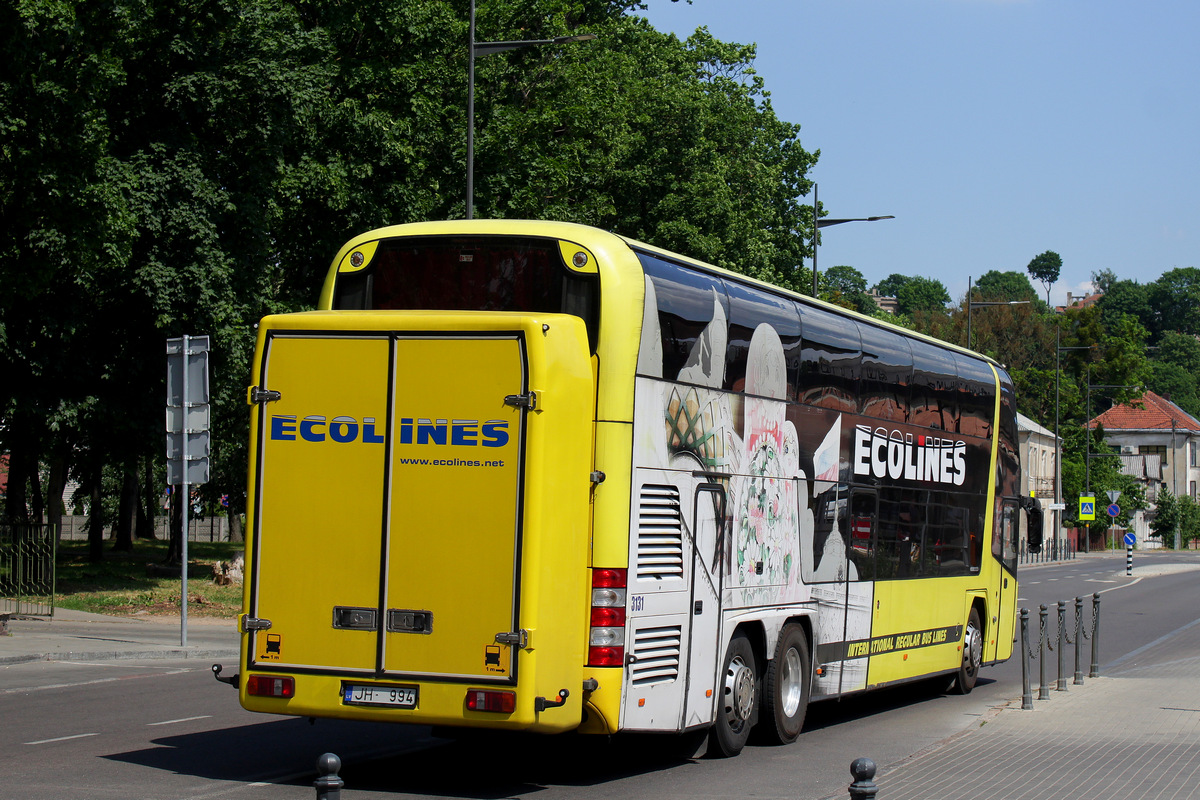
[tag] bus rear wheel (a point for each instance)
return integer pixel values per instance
(972, 656)
(736, 703)
(787, 686)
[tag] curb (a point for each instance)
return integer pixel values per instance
(176, 653)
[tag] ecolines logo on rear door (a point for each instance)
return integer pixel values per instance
(411, 430)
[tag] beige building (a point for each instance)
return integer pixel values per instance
(1037, 446)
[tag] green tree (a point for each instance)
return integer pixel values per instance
(922, 294)
(1045, 267)
(1175, 298)
(1004, 286)
(890, 286)
(847, 287)
(1103, 279)
(1128, 297)
(187, 167)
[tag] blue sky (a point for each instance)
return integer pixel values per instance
(992, 129)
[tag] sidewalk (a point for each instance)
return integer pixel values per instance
(80, 636)
(1134, 732)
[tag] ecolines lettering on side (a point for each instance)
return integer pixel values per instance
(460, 432)
(896, 455)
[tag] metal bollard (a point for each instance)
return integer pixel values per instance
(328, 784)
(1094, 672)
(863, 788)
(1026, 693)
(1078, 640)
(1129, 559)
(1061, 684)
(1043, 689)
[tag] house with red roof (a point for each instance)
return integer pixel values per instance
(1160, 447)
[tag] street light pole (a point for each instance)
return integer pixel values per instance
(1058, 350)
(819, 223)
(487, 49)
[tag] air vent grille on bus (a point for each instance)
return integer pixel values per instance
(660, 534)
(656, 655)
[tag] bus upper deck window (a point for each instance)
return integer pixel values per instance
(471, 273)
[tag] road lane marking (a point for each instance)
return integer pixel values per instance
(64, 738)
(203, 716)
(94, 682)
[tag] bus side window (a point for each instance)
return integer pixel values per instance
(863, 514)
(934, 388)
(976, 396)
(832, 360)
(887, 367)
(900, 536)
(692, 315)
(750, 308)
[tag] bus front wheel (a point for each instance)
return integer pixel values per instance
(972, 656)
(736, 704)
(787, 686)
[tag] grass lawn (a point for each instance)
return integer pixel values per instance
(122, 584)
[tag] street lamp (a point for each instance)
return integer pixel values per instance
(983, 304)
(1058, 501)
(487, 49)
(825, 223)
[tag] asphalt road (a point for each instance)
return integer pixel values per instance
(167, 730)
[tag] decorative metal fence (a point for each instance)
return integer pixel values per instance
(27, 569)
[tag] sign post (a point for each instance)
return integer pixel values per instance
(1130, 539)
(187, 436)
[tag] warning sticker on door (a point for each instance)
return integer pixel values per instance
(270, 647)
(495, 659)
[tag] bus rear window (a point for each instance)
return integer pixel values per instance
(470, 274)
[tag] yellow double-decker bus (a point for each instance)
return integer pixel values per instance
(538, 476)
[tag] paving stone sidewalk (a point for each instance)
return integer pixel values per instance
(1134, 733)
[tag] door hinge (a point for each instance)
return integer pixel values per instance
(526, 401)
(255, 395)
(250, 623)
(518, 639)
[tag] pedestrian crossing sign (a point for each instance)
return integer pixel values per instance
(1087, 507)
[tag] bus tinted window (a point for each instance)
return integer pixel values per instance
(470, 274)
(934, 387)
(832, 360)
(749, 309)
(976, 396)
(692, 314)
(887, 367)
(902, 522)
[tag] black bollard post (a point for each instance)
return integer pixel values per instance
(1078, 641)
(328, 784)
(1026, 693)
(1061, 685)
(1094, 672)
(1043, 689)
(863, 788)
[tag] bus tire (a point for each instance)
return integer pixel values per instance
(736, 704)
(787, 686)
(972, 657)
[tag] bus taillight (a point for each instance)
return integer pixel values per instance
(269, 686)
(606, 643)
(491, 700)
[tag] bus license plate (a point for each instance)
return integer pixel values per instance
(392, 696)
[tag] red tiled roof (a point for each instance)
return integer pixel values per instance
(1156, 413)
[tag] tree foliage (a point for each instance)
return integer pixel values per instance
(186, 167)
(1045, 267)
(919, 294)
